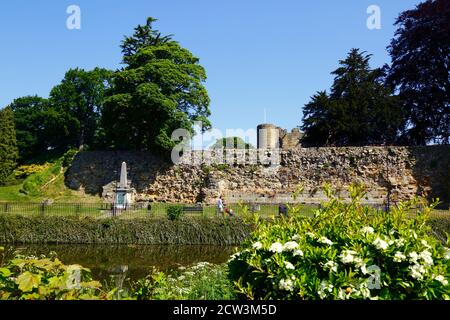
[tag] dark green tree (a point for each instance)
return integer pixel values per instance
(360, 109)
(80, 97)
(8, 145)
(231, 143)
(39, 127)
(29, 115)
(144, 36)
(317, 115)
(420, 53)
(160, 90)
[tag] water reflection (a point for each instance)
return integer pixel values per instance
(134, 261)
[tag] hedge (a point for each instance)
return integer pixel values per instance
(193, 231)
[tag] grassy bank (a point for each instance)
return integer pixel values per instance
(195, 231)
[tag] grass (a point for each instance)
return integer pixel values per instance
(48, 184)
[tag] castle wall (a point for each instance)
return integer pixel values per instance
(401, 172)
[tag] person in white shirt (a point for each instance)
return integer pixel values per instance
(220, 206)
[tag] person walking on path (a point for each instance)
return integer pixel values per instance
(219, 206)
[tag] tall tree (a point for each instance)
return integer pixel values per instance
(317, 115)
(160, 90)
(144, 36)
(39, 127)
(29, 115)
(359, 110)
(420, 53)
(8, 145)
(80, 96)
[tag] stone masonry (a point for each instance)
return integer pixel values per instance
(400, 172)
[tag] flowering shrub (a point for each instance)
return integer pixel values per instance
(27, 170)
(346, 251)
(202, 281)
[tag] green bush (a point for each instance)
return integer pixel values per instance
(54, 229)
(32, 185)
(68, 157)
(174, 212)
(346, 251)
(27, 170)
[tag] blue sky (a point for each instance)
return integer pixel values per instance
(260, 56)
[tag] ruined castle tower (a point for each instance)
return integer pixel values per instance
(273, 137)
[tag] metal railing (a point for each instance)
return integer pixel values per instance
(136, 210)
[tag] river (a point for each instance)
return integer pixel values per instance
(105, 260)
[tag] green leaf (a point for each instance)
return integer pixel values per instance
(5, 272)
(27, 281)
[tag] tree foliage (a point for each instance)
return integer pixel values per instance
(79, 97)
(231, 143)
(420, 53)
(359, 110)
(160, 90)
(8, 144)
(40, 127)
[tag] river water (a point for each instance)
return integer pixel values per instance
(107, 260)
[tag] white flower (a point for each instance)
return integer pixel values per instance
(425, 244)
(290, 246)
(257, 245)
(399, 242)
(347, 256)
(413, 257)
(447, 254)
(363, 268)
(311, 235)
(181, 278)
(324, 289)
(343, 295)
(325, 240)
(298, 253)
(296, 237)
(380, 244)
(287, 285)
(441, 279)
(367, 230)
(276, 247)
(399, 257)
(364, 290)
(426, 257)
(234, 256)
(331, 265)
(417, 271)
(289, 265)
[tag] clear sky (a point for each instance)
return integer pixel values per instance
(261, 57)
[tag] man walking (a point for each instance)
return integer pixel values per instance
(219, 206)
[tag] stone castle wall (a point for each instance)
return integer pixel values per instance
(401, 172)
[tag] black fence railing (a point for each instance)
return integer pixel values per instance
(136, 210)
(153, 210)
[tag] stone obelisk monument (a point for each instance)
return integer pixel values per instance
(122, 197)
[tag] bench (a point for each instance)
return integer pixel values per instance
(193, 209)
